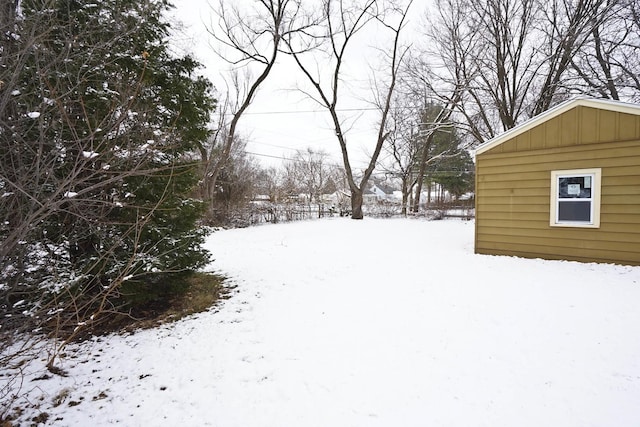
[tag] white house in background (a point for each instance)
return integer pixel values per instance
(377, 192)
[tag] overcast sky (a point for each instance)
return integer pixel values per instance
(281, 119)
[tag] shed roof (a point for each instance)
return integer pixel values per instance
(603, 104)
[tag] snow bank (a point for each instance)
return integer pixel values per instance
(373, 323)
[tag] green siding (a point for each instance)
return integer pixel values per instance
(513, 189)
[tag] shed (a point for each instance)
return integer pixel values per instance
(563, 185)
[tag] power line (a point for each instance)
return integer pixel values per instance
(285, 158)
(342, 110)
(266, 155)
(331, 163)
(274, 145)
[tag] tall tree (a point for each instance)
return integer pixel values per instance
(95, 118)
(343, 22)
(249, 39)
(513, 58)
(608, 65)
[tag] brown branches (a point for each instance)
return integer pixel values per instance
(344, 22)
(250, 40)
(514, 59)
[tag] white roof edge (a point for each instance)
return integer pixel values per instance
(606, 104)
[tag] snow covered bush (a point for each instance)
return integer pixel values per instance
(96, 118)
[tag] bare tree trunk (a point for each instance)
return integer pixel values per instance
(405, 196)
(356, 204)
(424, 159)
(411, 197)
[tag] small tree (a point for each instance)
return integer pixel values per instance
(313, 173)
(449, 164)
(434, 126)
(236, 187)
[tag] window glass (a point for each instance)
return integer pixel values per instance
(574, 211)
(574, 187)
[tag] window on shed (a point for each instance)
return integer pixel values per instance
(575, 198)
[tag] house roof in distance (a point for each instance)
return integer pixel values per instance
(603, 104)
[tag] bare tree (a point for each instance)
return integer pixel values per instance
(237, 187)
(608, 64)
(566, 27)
(434, 120)
(512, 58)
(630, 61)
(313, 173)
(343, 22)
(403, 146)
(250, 41)
(289, 185)
(435, 91)
(269, 183)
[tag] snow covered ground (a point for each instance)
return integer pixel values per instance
(372, 323)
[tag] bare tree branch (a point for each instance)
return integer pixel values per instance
(344, 22)
(254, 40)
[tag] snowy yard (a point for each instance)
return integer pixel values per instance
(372, 323)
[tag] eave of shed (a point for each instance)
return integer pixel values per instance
(603, 104)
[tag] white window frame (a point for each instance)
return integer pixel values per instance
(596, 177)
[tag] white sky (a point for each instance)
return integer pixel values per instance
(281, 119)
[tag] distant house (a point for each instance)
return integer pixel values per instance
(377, 192)
(564, 185)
